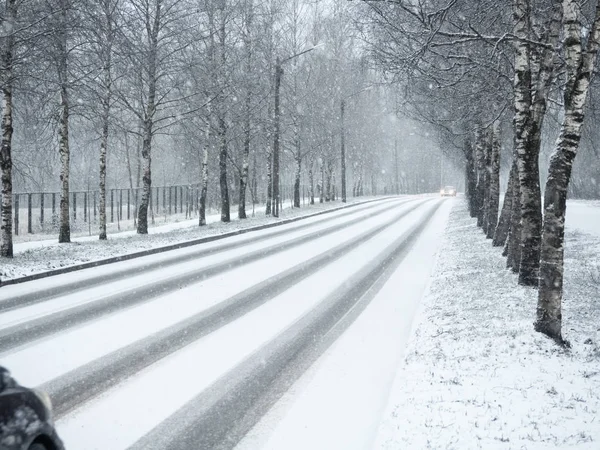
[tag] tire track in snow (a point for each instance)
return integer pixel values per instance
(74, 388)
(17, 335)
(31, 298)
(220, 416)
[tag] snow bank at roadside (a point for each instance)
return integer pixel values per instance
(476, 375)
(35, 259)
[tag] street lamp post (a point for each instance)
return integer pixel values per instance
(277, 128)
(275, 188)
(343, 143)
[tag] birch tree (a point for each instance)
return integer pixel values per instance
(64, 16)
(534, 69)
(9, 28)
(493, 182)
(102, 35)
(248, 60)
(155, 33)
(580, 56)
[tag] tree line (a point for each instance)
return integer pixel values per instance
(99, 93)
(512, 74)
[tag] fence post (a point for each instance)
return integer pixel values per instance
(54, 209)
(170, 200)
(16, 214)
(42, 210)
(112, 205)
(164, 200)
(128, 204)
(156, 210)
(95, 212)
(120, 204)
(74, 206)
(29, 215)
(85, 201)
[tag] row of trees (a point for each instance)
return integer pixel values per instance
(478, 72)
(125, 92)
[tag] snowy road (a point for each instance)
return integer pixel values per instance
(237, 341)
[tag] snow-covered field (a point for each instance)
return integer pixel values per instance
(476, 375)
(584, 215)
(34, 256)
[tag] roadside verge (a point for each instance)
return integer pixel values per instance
(477, 375)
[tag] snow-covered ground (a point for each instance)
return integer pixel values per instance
(282, 264)
(584, 215)
(147, 352)
(36, 256)
(476, 374)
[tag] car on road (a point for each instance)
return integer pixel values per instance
(25, 417)
(448, 191)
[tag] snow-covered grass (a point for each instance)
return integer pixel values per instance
(476, 374)
(584, 215)
(36, 257)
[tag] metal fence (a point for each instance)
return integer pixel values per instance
(38, 212)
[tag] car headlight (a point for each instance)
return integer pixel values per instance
(45, 399)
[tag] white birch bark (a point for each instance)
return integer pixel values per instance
(152, 29)
(64, 233)
(533, 77)
(494, 182)
(6, 222)
(580, 65)
(106, 57)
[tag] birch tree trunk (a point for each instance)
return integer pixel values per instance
(297, 174)
(102, 176)
(322, 191)
(531, 93)
(525, 161)
(222, 120)
(580, 64)
(107, 81)
(6, 222)
(471, 178)
(64, 234)
(311, 182)
(480, 186)
(494, 182)
(513, 243)
(486, 179)
(152, 27)
(502, 229)
(222, 137)
(248, 110)
(204, 173)
(269, 180)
